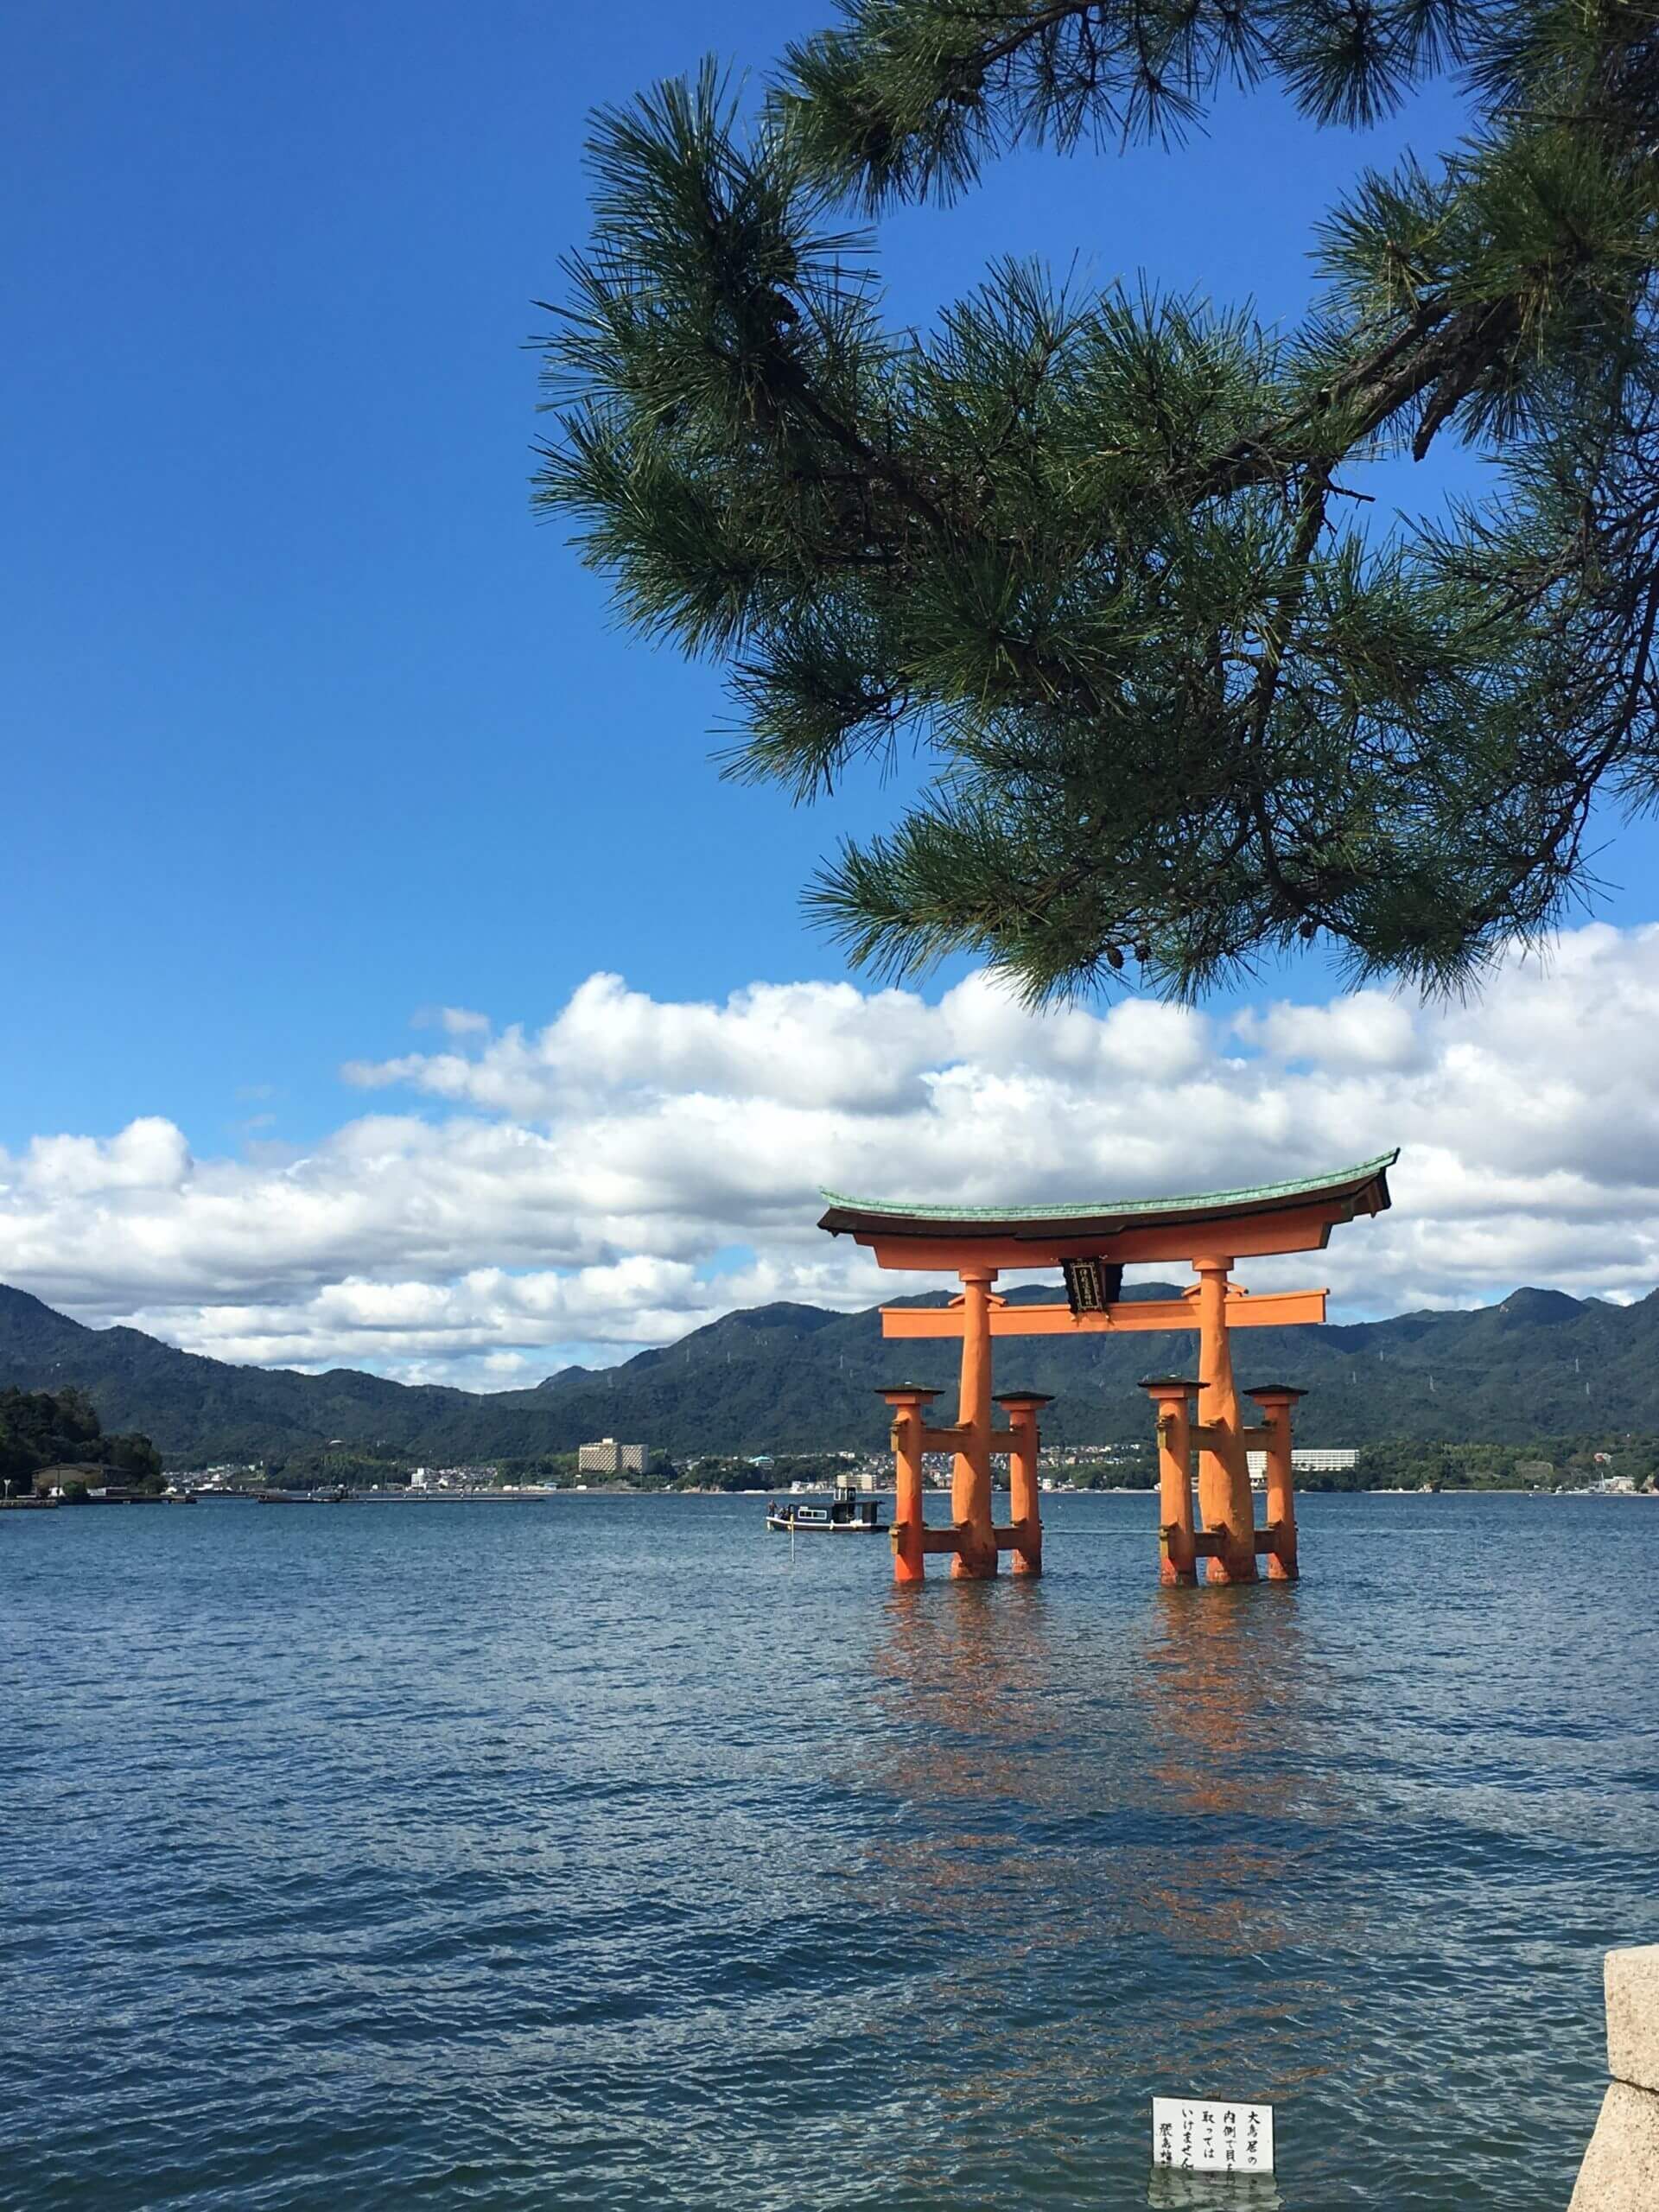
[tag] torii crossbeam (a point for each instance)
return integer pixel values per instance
(1092, 1245)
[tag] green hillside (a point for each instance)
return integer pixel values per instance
(787, 1377)
(792, 1377)
(42, 1429)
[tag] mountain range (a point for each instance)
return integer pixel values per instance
(794, 1378)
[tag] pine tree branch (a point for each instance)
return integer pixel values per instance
(1441, 351)
(1084, 554)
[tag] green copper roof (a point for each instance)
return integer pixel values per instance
(898, 1216)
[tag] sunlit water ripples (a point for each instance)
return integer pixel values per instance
(592, 1853)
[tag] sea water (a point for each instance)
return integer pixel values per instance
(604, 1852)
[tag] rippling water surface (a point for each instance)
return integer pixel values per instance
(591, 1853)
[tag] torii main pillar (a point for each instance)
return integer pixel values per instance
(975, 1560)
(1223, 1466)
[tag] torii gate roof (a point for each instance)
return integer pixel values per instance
(1119, 1228)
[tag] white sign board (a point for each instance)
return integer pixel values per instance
(1211, 2135)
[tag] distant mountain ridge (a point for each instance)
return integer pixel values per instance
(793, 1377)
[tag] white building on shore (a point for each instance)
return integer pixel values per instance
(607, 1457)
(1307, 1459)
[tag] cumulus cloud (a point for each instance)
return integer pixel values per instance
(637, 1167)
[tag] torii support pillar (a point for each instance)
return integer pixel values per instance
(1024, 1537)
(1275, 1400)
(1177, 1555)
(909, 1403)
(912, 1540)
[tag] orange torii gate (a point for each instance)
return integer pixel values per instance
(1092, 1245)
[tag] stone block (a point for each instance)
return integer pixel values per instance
(1633, 2017)
(1620, 2172)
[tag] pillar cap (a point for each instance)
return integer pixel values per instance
(1170, 1382)
(1024, 1398)
(891, 1390)
(1274, 1390)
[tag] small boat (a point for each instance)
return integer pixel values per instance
(850, 1512)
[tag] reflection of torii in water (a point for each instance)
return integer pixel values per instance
(1075, 1833)
(1092, 1245)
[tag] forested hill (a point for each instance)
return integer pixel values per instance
(794, 1377)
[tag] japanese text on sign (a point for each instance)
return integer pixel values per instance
(1211, 2135)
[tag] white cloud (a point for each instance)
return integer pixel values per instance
(1367, 1029)
(148, 1154)
(567, 1192)
(453, 1021)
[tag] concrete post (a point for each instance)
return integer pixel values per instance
(1620, 2172)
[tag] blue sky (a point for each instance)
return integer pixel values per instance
(309, 726)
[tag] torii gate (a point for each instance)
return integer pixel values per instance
(1092, 1245)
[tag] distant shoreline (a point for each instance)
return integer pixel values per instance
(497, 1494)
